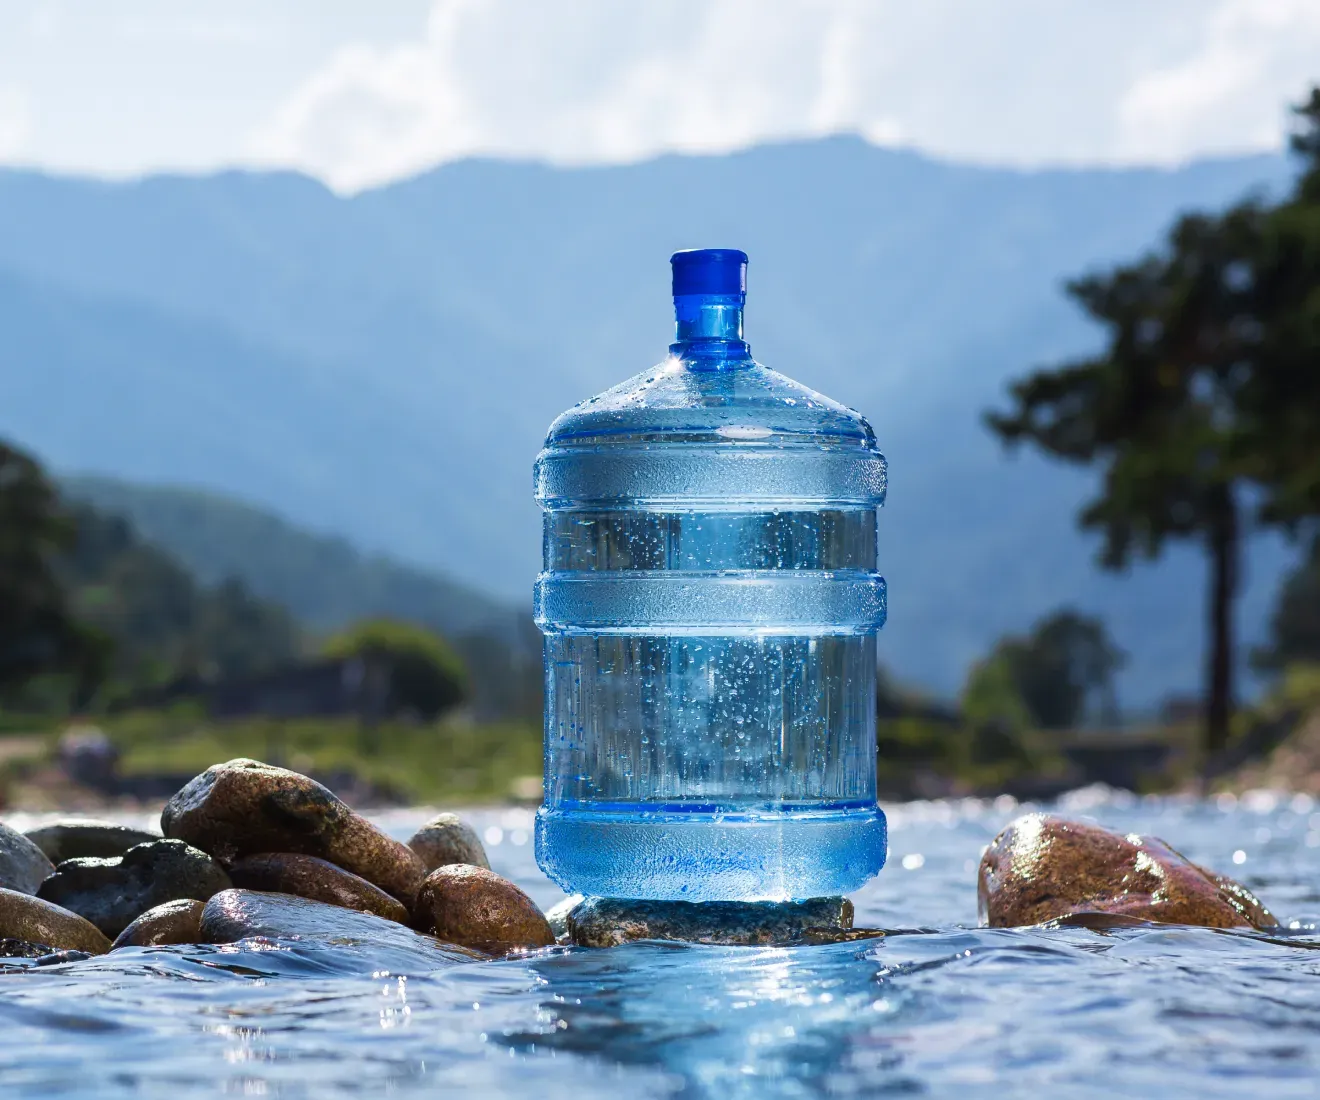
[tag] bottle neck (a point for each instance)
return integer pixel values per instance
(709, 332)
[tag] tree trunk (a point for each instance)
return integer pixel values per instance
(1223, 591)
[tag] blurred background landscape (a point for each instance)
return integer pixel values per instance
(285, 313)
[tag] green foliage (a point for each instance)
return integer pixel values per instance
(1048, 679)
(1064, 669)
(322, 580)
(326, 584)
(1295, 624)
(1282, 396)
(38, 632)
(1207, 385)
(992, 696)
(418, 669)
(444, 762)
(86, 606)
(160, 621)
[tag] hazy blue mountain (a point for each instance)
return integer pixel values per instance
(321, 579)
(384, 366)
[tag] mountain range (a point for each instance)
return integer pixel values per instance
(383, 366)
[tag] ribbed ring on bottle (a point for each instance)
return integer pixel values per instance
(798, 601)
(699, 473)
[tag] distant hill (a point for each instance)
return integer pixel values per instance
(322, 580)
(384, 366)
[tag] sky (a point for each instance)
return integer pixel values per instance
(362, 92)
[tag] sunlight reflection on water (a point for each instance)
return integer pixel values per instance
(943, 1009)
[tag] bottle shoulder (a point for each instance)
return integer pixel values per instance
(673, 403)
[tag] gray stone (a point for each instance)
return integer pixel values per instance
(23, 917)
(112, 893)
(59, 958)
(22, 949)
(23, 866)
(608, 922)
(77, 838)
(557, 915)
(447, 839)
(236, 915)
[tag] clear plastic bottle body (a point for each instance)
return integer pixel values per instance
(710, 604)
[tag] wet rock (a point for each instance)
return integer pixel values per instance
(317, 879)
(58, 958)
(173, 922)
(23, 949)
(475, 907)
(448, 839)
(23, 866)
(1046, 868)
(112, 893)
(246, 914)
(245, 808)
(557, 915)
(23, 917)
(818, 936)
(608, 922)
(77, 838)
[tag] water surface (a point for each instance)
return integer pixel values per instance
(940, 1008)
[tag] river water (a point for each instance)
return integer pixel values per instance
(938, 1008)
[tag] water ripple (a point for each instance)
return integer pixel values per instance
(937, 1008)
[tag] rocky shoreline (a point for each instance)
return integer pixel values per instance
(247, 850)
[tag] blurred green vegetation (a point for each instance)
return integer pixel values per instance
(438, 762)
(1201, 412)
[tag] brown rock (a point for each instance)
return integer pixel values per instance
(309, 877)
(23, 917)
(1045, 868)
(447, 839)
(475, 907)
(174, 922)
(245, 808)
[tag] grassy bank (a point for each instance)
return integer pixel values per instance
(447, 761)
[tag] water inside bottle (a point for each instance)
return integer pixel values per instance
(710, 603)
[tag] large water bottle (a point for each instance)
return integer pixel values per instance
(710, 604)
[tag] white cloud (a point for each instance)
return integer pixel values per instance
(15, 122)
(1020, 81)
(364, 93)
(1230, 90)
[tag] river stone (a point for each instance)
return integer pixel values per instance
(59, 958)
(79, 837)
(23, 866)
(475, 907)
(22, 949)
(23, 917)
(608, 922)
(173, 922)
(309, 877)
(1044, 868)
(245, 914)
(557, 915)
(112, 893)
(447, 839)
(246, 808)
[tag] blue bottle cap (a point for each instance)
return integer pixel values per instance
(709, 271)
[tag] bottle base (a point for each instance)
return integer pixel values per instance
(691, 856)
